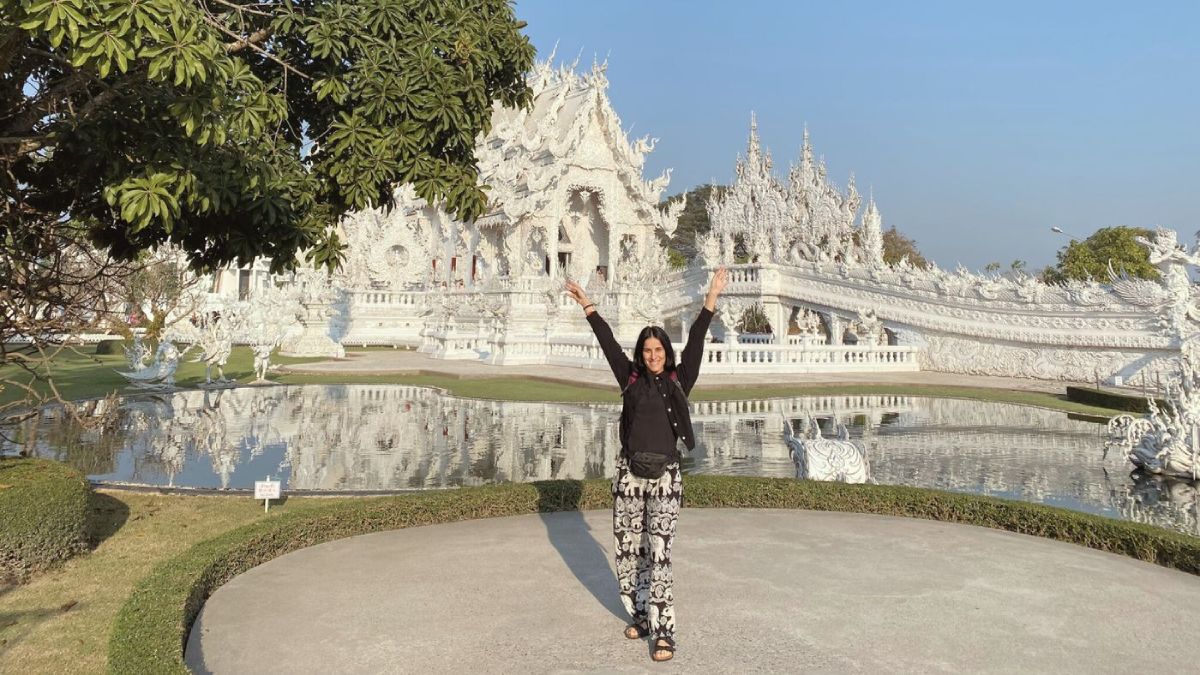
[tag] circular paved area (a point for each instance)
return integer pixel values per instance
(756, 590)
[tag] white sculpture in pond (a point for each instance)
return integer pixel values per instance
(1167, 440)
(817, 458)
(160, 373)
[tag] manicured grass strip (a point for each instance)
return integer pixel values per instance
(528, 389)
(79, 373)
(88, 376)
(151, 630)
(43, 515)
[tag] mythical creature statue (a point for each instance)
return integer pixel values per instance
(668, 219)
(216, 343)
(262, 360)
(1174, 297)
(640, 273)
(1167, 440)
(869, 329)
(270, 312)
(160, 373)
(817, 458)
(137, 353)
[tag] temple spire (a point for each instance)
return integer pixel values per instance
(753, 149)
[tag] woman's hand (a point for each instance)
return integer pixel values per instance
(577, 294)
(715, 287)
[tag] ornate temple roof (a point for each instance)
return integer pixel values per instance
(527, 151)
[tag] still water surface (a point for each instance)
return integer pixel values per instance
(389, 437)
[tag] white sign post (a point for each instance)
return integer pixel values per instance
(266, 490)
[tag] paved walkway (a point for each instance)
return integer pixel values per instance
(379, 362)
(757, 591)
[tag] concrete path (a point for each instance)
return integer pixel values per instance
(756, 591)
(380, 362)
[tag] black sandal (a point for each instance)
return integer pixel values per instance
(669, 648)
(639, 628)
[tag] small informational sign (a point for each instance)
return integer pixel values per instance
(266, 490)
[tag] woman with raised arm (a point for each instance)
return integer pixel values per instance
(647, 487)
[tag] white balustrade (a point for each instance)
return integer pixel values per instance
(743, 358)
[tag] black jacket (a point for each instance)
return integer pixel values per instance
(643, 391)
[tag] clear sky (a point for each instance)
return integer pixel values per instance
(978, 125)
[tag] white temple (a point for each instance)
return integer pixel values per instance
(569, 200)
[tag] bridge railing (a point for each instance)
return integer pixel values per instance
(745, 358)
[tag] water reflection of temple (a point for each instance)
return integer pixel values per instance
(386, 437)
(380, 438)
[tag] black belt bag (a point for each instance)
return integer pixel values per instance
(648, 464)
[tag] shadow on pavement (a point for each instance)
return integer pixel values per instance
(576, 544)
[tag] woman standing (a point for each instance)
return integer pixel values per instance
(647, 487)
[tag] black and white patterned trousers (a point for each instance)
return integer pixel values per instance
(644, 515)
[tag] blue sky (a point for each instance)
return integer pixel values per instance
(978, 127)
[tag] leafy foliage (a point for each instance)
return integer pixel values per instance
(240, 128)
(1090, 258)
(897, 247)
(230, 129)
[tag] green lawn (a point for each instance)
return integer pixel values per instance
(84, 375)
(61, 620)
(80, 373)
(526, 389)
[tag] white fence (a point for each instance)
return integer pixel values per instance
(750, 358)
(582, 351)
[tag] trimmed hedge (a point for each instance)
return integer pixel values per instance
(1108, 399)
(110, 347)
(152, 627)
(43, 515)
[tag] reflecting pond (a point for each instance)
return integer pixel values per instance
(393, 437)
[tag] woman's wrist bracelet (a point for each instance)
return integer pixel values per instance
(590, 304)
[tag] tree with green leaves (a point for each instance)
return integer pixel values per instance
(239, 128)
(232, 129)
(897, 247)
(1091, 257)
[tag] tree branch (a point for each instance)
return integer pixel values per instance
(243, 42)
(255, 38)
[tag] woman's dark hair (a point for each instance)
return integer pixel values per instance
(661, 335)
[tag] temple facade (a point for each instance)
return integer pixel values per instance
(568, 200)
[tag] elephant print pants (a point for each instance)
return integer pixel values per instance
(644, 515)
